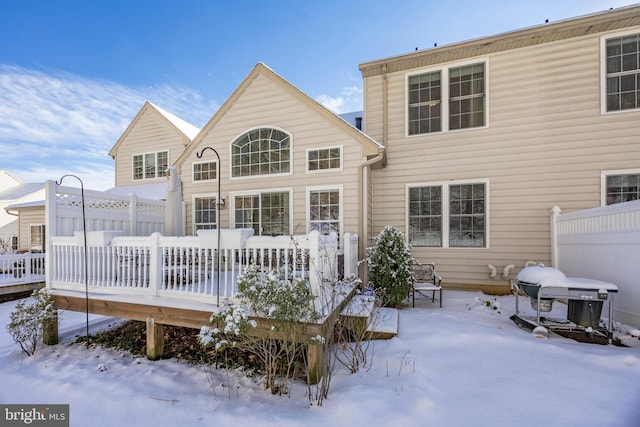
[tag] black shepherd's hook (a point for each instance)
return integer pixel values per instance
(84, 232)
(199, 155)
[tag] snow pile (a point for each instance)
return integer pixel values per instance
(466, 364)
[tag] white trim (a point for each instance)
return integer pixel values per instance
(291, 152)
(444, 185)
(339, 188)
(206, 181)
(603, 181)
(444, 95)
(603, 70)
(329, 147)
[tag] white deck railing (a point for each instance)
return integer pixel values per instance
(20, 269)
(186, 267)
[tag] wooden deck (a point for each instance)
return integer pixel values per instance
(159, 311)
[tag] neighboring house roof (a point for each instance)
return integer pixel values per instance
(370, 147)
(549, 32)
(20, 190)
(156, 191)
(186, 130)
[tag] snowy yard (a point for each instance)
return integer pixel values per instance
(465, 364)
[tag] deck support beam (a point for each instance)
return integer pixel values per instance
(155, 339)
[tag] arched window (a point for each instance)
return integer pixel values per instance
(262, 151)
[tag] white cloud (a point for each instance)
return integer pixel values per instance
(349, 100)
(53, 123)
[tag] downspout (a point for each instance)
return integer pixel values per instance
(363, 199)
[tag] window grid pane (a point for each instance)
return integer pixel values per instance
(205, 171)
(324, 159)
(623, 73)
(324, 211)
(466, 97)
(425, 103)
(205, 213)
(260, 152)
(247, 212)
(623, 188)
(425, 216)
(138, 168)
(275, 214)
(467, 215)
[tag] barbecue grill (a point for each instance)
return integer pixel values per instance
(585, 299)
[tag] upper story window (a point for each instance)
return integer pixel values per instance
(622, 72)
(621, 186)
(448, 215)
(263, 151)
(205, 171)
(464, 90)
(150, 165)
(324, 159)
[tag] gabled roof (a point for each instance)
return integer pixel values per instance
(20, 190)
(370, 147)
(186, 130)
(610, 20)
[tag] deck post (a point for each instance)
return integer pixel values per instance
(50, 330)
(155, 341)
(314, 359)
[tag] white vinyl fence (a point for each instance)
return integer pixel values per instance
(603, 244)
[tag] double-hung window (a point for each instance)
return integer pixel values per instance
(324, 212)
(621, 186)
(452, 98)
(204, 213)
(268, 212)
(447, 215)
(36, 243)
(622, 72)
(150, 165)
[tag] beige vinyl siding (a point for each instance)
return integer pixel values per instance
(27, 218)
(149, 134)
(546, 144)
(265, 104)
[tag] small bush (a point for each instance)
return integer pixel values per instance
(27, 319)
(389, 262)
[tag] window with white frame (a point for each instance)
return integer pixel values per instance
(323, 159)
(447, 215)
(621, 186)
(324, 206)
(622, 72)
(263, 151)
(204, 213)
(150, 165)
(268, 212)
(464, 89)
(36, 243)
(205, 171)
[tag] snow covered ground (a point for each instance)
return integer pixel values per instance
(466, 364)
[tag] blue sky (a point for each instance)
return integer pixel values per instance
(73, 74)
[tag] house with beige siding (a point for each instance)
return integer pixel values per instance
(287, 165)
(20, 232)
(153, 140)
(484, 137)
